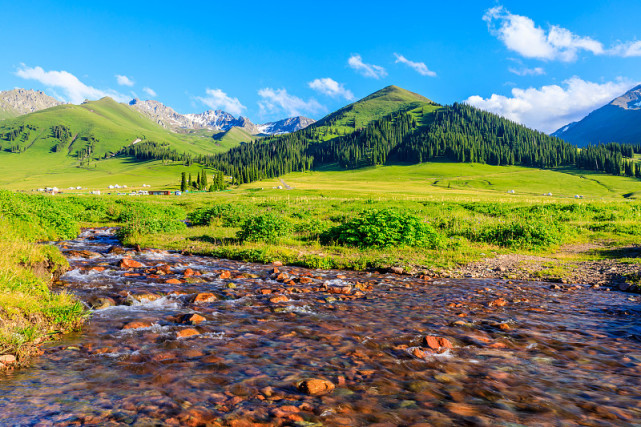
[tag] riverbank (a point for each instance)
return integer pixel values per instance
(30, 313)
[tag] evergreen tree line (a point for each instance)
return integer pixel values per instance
(202, 181)
(458, 133)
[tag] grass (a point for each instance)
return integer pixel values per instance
(468, 204)
(29, 312)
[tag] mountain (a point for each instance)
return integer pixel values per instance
(380, 103)
(217, 120)
(618, 121)
(17, 102)
(93, 130)
(285, 126)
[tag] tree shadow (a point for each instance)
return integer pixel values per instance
(214, 240)
(618, 253)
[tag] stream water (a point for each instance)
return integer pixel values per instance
(189, 340)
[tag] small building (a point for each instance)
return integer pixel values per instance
(160, 193)
(95, 192)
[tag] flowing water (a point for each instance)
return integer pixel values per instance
(522, 353)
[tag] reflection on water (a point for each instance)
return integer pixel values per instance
(186, 340)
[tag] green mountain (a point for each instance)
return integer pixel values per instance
(379, 104)
(94, 130)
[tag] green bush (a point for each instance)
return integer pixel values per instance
(141, 219)
(519, 233)
(227, 215)
(267, 227)
(384, 228)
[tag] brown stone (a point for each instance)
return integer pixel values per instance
(418, 352)
(306, 280)
(173, 282)
(98, 269)
(315, 386)
(500, 302)
(282, 277)
(188, 332)
(205, 297)
(7, 359)
(436, 343)
(277, 264)
(129, 263)
(188, 272)
(225, 274)
(278, 298)
(137, 324)
(193, 319)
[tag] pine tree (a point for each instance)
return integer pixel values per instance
(183, 182)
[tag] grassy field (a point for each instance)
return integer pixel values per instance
(446, 180)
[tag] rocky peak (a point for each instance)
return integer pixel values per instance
(25, 101)
(631, 100)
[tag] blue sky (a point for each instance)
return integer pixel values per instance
(543, 64)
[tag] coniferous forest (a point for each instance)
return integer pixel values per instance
(456, 133)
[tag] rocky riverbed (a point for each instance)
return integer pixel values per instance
(187, 340)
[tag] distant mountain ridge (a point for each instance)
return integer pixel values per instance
(218, 120)
(17, 102)
(618, 121)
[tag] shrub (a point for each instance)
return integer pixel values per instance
(141, 219)
(227, 215)
(525, 234)
(266, 227)
(384, 228)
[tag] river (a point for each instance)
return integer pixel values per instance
(191, 340)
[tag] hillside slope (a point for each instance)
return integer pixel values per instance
(618, 121)
(91, 131)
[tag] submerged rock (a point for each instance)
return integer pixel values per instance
(315, 386)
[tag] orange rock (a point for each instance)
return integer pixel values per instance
(188, 332)
(193, 319)
(137, 325)
(205, 297)
(98, 269)
(500, 302)
(188, 272)
(173, 282)
(305, 280)
(505, 326)
(282, 277)
(129, 263)
(277, 264)
(132, 275)
(278, 298)
(225, 274)
(164, 268)
(436, 343)
(315, 386)
(265, 291)
(418, 352)
(7, 359)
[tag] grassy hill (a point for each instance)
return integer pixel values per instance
(375, 106)
(234, 136)
(104, 125)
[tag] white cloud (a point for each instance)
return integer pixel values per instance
(332, 88)
(276, 100)
(524, 71)
(217, 99)
(149, 91)
(73, 89)
(419, 67)
(367, 70)
(520, 34)
(124, 80)
(627, 49)
(550, 107)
